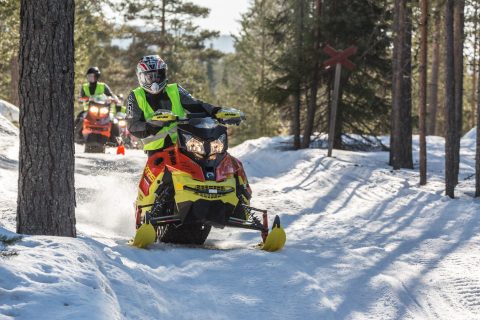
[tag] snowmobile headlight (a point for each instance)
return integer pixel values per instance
(194, 146)
(104, 110)
(217, 145)
(93, 109)
(122, 123)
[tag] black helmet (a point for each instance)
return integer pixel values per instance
(93, 73)
(94, 70)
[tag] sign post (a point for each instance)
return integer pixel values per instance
(339, 59)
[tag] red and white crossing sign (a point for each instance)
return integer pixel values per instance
(337, 59)
(340, 57)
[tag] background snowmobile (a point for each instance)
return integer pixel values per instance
(97, 125)
(195, 184)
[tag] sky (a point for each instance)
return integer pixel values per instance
(224, 15)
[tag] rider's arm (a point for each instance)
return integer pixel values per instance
(82, 93)
(107, 91)
(135, 119)
(195, 106)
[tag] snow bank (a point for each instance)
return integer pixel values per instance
(8, 172)
(470, 135)
(9, 111)
(469, 140)
(7, 128)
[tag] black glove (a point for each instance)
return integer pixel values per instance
(152, 130)
(215, 110)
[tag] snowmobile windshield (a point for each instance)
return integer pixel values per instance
(99, 100)
(204, 123)
(206, 129)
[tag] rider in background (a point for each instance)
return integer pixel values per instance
(94, 88)
(91, 88)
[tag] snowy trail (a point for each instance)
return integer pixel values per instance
(363, 242)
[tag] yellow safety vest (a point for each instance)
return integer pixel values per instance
(99, 89)
(157, 141)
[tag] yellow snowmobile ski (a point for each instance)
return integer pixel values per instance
(144, 236)
(276, 238)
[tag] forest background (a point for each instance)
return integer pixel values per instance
(275, 74)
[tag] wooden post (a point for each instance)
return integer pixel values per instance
(339, 59)
(333, 110)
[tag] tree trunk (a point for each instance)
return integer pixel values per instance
(312, 105)
(395, 83)
(477, 154)
(298, 86)
(46, 193)
(433, 84)
(262, 107)
(422, 69)
(458, 38)
(474, 68)
(451, 134)
(401, 137)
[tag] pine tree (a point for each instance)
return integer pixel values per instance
(458, 40)
(423, 89)
(315, 79)
(451, 134)
(433, 91)
(46, 190)
(247, 71)
(170, 31)
(401, 137)
(477, 150)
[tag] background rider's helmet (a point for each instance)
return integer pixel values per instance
(93, 73)
(152, 73)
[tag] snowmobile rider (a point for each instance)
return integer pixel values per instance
(94, 88)
(155, 93)
(91, 88)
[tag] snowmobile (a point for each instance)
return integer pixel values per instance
(195, 184)
(97, 125)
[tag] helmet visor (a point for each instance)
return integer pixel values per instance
(157, 76)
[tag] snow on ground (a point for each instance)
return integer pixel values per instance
(9, 111)
(363, 242)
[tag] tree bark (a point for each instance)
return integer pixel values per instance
(298, 85)
(451, 134)
(477, 152)
(458, 39)
(46, 193)
(263, 112)
(423, 89)
(474, 68)
(433, 84)
(401, 137)
(312, 105)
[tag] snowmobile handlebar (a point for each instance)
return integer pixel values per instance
(224, 116)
